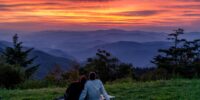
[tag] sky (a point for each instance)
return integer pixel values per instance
(154, 15)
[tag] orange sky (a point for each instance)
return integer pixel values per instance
(31, 15)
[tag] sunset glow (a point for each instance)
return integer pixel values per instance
(98, 14)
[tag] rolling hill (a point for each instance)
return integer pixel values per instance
(138, 54)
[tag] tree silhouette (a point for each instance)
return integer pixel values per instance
(181, 57)
(108, 67)
(168, 58)
(18, 56)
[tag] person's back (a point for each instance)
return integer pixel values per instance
(93, 90)
(74, 90)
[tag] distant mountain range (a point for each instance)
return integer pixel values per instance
(138, 54)
(71, 41)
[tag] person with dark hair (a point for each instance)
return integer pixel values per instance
(94, 89)
(74, 90)
(92, 76)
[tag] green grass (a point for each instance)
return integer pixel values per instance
(179, 89)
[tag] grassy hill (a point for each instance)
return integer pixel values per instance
(179, 89)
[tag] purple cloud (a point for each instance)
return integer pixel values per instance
(90, 0)
(140, 13)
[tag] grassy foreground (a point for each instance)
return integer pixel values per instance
(180, 89)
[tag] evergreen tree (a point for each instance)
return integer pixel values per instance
(180, 59)
(107, 67)
(169, 58)
(18, 56)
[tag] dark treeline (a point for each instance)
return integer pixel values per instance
(181, 60)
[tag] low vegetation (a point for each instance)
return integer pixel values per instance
(178, 89)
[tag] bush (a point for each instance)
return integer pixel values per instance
(108, 67)
(11, 75)
(122, 80)
(71, 76)
(32, 84)
(157, 74)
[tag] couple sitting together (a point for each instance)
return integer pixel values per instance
(91, 89)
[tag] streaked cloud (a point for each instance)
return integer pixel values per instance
(192, 15)
(190, 0)
(141, 13)
(90, 0)
(188, 6)
(98, 13)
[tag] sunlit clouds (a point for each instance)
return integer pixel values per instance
(98, 14)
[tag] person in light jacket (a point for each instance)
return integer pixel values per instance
(94, 89)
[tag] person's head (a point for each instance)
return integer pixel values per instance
(83, 79)
(92, 76)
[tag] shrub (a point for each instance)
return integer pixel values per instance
(11, 75)
(108, 67)
(157, 74)
(122, 80)
(32, 84)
